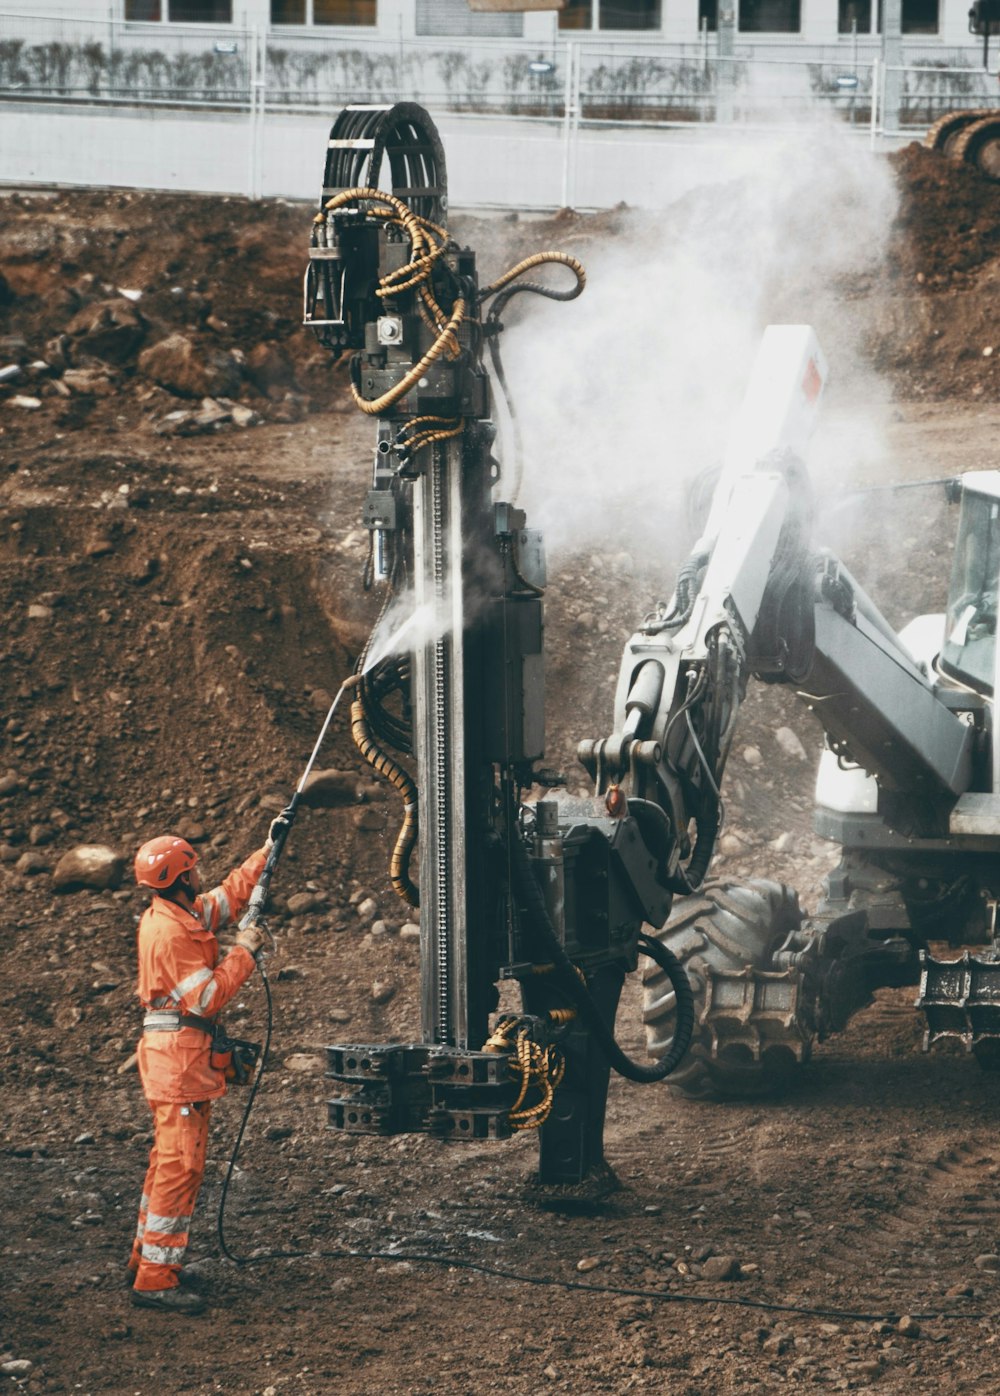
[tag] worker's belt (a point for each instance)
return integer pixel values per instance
(166, 1020)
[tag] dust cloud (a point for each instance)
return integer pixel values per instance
(625, 394)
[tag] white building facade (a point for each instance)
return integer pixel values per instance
(927, 25)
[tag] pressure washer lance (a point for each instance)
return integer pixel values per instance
(282, 826)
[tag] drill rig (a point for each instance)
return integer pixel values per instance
(560, 896)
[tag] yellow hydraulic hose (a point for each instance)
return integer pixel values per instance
(414, 374)
(536, 260)
(399, 864)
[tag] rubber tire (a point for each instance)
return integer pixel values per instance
(726, 925)
(977, 145)
(942, 135)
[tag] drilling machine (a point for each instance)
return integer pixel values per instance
(560, 896)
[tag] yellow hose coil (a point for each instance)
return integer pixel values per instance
(399, 864)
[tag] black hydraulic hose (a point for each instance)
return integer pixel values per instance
(580, 995)
(220, 1219)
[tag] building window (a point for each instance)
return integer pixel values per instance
(854, 16)
(288, 11)
(769, 17)
(611, 14)
(629, 14)
(181, 11)
(575, 15)
(920, 16)
(344, 12)
(201, 11)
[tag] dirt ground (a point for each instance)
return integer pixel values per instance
(181, 598)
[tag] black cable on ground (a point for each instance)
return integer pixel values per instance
(516, 1276)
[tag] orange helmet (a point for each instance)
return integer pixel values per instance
(162, 861)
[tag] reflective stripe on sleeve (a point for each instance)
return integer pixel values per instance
(207, 995)
(218, 900)
(192, 981)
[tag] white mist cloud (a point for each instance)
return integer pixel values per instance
(626, 393)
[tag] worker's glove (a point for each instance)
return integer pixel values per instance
(251, 938)
(278, 825)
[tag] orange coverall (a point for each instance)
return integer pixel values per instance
(179, 970)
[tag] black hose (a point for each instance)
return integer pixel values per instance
(220, 1219)
(580, 995)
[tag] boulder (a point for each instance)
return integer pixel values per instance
(331, 790)
(270, 370)
(88, 865)
(111, 330)
(88, 382)
(185, 368)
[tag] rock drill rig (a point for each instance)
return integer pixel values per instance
(557, 896)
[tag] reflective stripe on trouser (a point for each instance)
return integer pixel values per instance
(176, 1168)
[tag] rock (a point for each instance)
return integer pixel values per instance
(177, 364)
(790, 744)
(31, 864)
(243, 416)
(908, 1327)
(301, 903)
(777, 1343)
(383, 991)
(270, 370)
(89, 865)
(304, 1062)
(111, 330)
(17, 1367)
(720, 1267)
(330, 790)
(752, 756)
(88, 382)
(191, 830)
(589, 1262)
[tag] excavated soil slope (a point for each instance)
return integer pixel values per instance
(181, 596)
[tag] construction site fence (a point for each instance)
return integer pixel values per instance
(641, 80)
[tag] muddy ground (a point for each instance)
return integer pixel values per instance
(178, 609)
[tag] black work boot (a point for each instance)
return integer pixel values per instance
(171, 1301)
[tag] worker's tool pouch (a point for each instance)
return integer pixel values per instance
(234, 1057)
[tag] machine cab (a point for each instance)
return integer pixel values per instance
(969, 652)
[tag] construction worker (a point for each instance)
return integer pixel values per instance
(183, 986)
